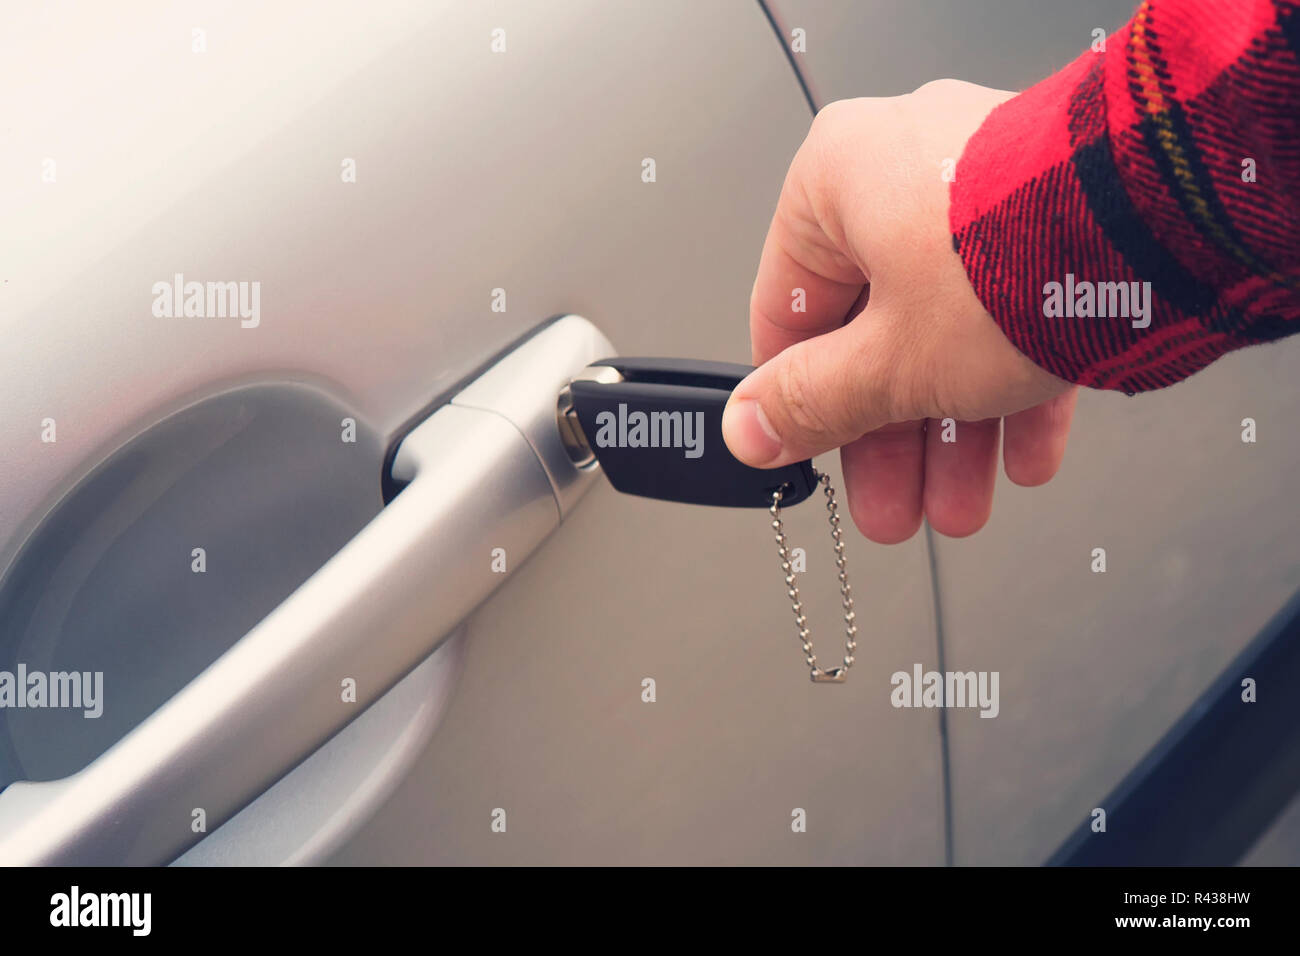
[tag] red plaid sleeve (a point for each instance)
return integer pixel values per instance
(1137, 215)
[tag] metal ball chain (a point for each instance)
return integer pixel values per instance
(835, 674)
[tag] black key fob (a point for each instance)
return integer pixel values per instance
(655, 426)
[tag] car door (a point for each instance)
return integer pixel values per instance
(417, 191)
(347, 600)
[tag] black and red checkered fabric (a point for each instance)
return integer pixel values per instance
(1170, 157)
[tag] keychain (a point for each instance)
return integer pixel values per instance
(617, 408)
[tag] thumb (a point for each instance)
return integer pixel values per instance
(814, 396)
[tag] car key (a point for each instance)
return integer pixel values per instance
(655, 427)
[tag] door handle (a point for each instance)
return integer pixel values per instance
(486, 471)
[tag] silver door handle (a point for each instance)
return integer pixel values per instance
(488, 470)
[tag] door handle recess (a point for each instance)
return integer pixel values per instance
(487, 470)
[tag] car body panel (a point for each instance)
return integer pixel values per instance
(1201, 532)
(475, 172)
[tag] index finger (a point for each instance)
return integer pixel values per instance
(805, 285)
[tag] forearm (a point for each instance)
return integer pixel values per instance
(1132, 218)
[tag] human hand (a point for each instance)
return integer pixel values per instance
(893, 339)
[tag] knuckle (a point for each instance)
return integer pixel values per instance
(939, 87)
(798, 393)
(908, 378)
(834, 130)
(828, 115)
